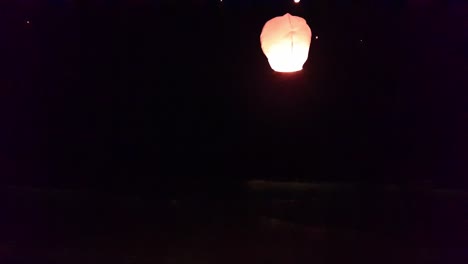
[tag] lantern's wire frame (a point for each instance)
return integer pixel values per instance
(292, 34)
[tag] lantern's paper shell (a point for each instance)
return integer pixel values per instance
(285, 42)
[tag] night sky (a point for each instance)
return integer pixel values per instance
(165, 97)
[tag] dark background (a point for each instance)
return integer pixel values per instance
(168, 96)
(129, 129)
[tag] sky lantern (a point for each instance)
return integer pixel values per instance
(285, 42)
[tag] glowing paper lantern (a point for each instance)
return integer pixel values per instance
(285, 42)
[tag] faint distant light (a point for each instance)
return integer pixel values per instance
(27, 22)
(316, 37)
(297, 1)
(360, 40)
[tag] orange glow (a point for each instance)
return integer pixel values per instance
(285, 41)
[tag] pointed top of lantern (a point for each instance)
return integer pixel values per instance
(285, 40)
